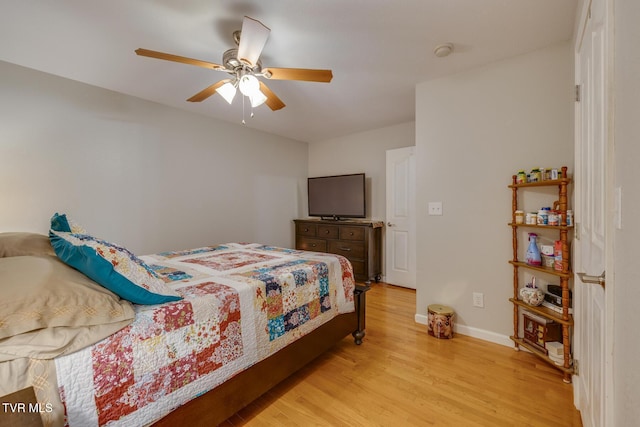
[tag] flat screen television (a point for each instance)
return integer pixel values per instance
(336, 197)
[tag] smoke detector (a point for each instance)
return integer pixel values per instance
(443, 50)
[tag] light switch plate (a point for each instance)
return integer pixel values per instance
(435, 208)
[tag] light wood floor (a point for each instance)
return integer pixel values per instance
(401, 376)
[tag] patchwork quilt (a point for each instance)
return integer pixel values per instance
(242, 303)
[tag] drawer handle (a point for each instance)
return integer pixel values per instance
(345, 249)
(351, 233)
(306, 229)
(313, 245)
(327, 232)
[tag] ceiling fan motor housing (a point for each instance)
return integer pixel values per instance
(232, 63)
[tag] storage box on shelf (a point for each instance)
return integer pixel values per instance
(538, 331)
(562, 320)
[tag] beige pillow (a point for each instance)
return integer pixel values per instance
(43, 292)
(22, 243)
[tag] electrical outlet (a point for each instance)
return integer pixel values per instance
(435, 208)
(478, 299)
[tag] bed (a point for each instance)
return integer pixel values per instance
(232, 320)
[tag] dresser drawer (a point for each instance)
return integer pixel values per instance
(328, 231)
(350, 250)
(307, 244)
(306, 229)
(352, 233)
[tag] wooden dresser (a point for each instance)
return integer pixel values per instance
(357, 240)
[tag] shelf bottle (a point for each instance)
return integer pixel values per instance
(533, 253)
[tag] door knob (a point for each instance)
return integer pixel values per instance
(596, 280)
(390, 224)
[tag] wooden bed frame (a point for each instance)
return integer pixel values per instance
(217, 405)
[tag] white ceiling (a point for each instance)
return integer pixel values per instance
(378, 50)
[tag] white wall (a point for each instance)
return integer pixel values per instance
(626, 375)
(362, 152)
(473, 131)
(144, 175)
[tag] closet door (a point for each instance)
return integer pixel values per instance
(400, 232)
(593, 159)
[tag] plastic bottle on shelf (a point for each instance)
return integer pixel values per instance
(535, 175)
(543, 216)
(533, 253)
(557, 252)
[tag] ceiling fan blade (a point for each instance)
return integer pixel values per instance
(323, 76)
(253, 37)
(204, 94)
(272, 101)
(176, 58)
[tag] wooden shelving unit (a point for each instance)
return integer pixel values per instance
(565, 275)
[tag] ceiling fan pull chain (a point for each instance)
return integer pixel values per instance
(243, 122)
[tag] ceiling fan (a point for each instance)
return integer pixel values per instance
(244, 66)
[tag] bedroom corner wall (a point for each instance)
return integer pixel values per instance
(149, 177)
(473, 131)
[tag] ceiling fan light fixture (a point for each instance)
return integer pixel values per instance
(227, 91)
(249, 85)
(257, 99)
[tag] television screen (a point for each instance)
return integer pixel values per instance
(336, 197)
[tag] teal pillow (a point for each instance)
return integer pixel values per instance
(60, 223)
(112, 266)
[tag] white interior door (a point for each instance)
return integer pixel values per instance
(400, 244)
(592, 159)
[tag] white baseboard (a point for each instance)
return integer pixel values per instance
(473, 332)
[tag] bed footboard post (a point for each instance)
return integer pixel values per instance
(361, 305)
